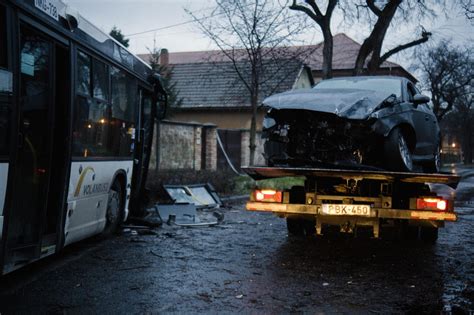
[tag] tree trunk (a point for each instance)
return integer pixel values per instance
(253, 127)
(327, 51)
(364, 52)
(374, 42)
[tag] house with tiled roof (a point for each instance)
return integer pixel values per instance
(212, 92)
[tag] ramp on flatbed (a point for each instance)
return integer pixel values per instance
(263, 172)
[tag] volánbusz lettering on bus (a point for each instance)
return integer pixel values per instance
(95, 189)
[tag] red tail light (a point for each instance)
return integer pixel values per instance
(268, 195)
(431, 204)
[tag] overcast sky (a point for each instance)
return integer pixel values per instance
(135, 16)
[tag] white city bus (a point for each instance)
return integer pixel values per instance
(76, 122)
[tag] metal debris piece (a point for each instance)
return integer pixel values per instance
(183, 215)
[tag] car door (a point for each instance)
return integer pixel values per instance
(423, 123)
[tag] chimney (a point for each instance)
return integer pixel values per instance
(164, 57)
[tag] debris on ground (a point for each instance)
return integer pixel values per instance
(187, 206)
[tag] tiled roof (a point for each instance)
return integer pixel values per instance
(208, 79)
(345, 52)
(217, 85)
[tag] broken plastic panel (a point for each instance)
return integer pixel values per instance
(201, 195)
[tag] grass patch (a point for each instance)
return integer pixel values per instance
(244, 184)
(226, 183)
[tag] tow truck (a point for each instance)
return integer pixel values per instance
(356, 200)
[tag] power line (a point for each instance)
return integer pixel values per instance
(160, 28)
(175, 25)
(182, 23)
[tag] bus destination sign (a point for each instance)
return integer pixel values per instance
(50, 7)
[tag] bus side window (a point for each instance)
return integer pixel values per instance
(91, 114)
(104, 121)
(123, 120)
(4, 127)
(100, 80)
(3, 37)
(83, 85)
(5, 84)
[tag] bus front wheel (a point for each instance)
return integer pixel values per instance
(114, 212)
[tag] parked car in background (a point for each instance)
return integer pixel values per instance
(379, 122)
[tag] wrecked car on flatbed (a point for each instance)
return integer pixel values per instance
(368, 148)
(382, 122)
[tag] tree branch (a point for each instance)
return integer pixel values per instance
(373, 7)
(317, 18)
(331, 6)
(424, 38)
(315, 7)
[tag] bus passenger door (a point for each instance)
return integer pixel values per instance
(41, 90)
(143, 149)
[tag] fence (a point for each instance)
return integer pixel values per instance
(194, 146)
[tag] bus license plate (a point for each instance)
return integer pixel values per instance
(346, 209)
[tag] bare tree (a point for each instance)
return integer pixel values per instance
(459, 125)
(382, 14)
(448, 73)
(251, 35)
(468, 8)
(324, 21)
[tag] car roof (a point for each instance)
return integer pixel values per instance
(369, 77)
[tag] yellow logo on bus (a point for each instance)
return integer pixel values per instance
(81, 180)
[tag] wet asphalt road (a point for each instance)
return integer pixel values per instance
(249, 264)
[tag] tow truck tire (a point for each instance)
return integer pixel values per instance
(410, 233)
(114, 213)
(294, 226)
(398, 154)
(301, 227)
(429, 234)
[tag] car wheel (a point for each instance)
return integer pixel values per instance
(397, 152)
(429, 234)
(434, 166)
(114, 213)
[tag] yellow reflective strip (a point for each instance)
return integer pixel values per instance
(81, 180)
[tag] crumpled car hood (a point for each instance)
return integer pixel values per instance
(347, 103)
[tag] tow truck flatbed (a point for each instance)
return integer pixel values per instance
(263, 172)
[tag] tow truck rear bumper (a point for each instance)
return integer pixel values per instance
(349, 222)
(381, 213)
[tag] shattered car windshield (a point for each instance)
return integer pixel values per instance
(391, 86)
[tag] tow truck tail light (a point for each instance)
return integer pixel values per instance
(431, 204)
(268, 195)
